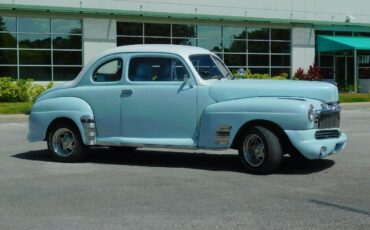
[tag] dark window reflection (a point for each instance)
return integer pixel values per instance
(235, 46)
(326, 61)
(280, 47)
(154, 29)
(157, 40)
(34, 41)
(209, 32)
(362, 34)
(211, 44)
(327, 73)
(66, 73)
(258, 60)
(8, 57)
(343, 33)
(235, 59)
(67, 41)
(258, 33)
(66, 26)
(34, 25)
(36, 73)
(279, 71)
(36, 57)
(129, 28)
(8, 24)
(186, 31)
(260, 70)
(8, 71)
(231, 32)
(258, 47)
(324, 32)
(8, 40)
(280, 60)
(121, 41)
(280, 34)
(185, 41)
(67, 58)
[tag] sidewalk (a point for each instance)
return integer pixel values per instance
(18, 118)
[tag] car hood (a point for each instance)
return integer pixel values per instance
(235, 89)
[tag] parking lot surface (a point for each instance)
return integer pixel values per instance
(173, 189)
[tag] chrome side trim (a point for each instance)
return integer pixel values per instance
(223, 134)
(88, 124)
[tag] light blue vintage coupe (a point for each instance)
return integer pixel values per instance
(185, 97)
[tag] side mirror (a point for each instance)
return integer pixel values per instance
(187, 81)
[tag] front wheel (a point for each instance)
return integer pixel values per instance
(65, 143)
(260, 150)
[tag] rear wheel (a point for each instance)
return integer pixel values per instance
(65, 143)
(260, 150)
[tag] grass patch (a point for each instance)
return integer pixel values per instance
(14, 107)
(354, 97)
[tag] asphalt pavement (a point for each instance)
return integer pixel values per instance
(172, 189)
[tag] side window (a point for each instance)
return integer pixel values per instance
(156, 69)
(109, 71)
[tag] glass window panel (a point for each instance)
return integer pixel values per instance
(8, 57)
(34, 41)
(258, 60)
(324, 32)
(8, 40)
(155, 69)
(66, 73)
(210, 44)
(67, 41)
(179, 72)
(260, 70)
(235, 59)
(364, 73)
(280, 47)
(122, 41)
(343, 33)
(8, 71)
(109, 71)
(155, 29)
(231, 32)
(34, 25)
(185, 41)
(326, 61)
(8, 24)
(327, 73)
(235, 46)
(280, 34)
(209, 32)
(36, 57)
(258, 33)
(279, 71)
(258, 47)
(66, 26)
(129, 28)
(67, 57)
(362, 34)
(280, 60)
(187, 31)
(157, 40)
(36, 73)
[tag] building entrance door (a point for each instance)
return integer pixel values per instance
(344, 71)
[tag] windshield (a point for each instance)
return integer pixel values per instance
(210, 67)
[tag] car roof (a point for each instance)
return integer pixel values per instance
(158, 48)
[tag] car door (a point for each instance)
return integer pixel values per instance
(158, 103)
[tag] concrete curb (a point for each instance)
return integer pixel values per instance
(9, 118)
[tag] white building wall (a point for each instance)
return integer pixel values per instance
(294, 10)
(303, 48)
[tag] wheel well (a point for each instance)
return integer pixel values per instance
(276, 129)
(57, 121)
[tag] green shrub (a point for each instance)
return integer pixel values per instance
(248, 75)
(23, 90)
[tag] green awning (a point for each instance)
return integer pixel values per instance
(339, 43)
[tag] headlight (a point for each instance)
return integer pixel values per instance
(311, 114)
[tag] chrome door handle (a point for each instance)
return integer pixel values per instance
(127, 92)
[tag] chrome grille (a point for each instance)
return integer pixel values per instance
(326, 134)
(329, 120)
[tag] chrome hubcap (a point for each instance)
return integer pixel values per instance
(64, 142)
(254, 150)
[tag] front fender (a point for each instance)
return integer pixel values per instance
(291, 114)
(44, 112)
